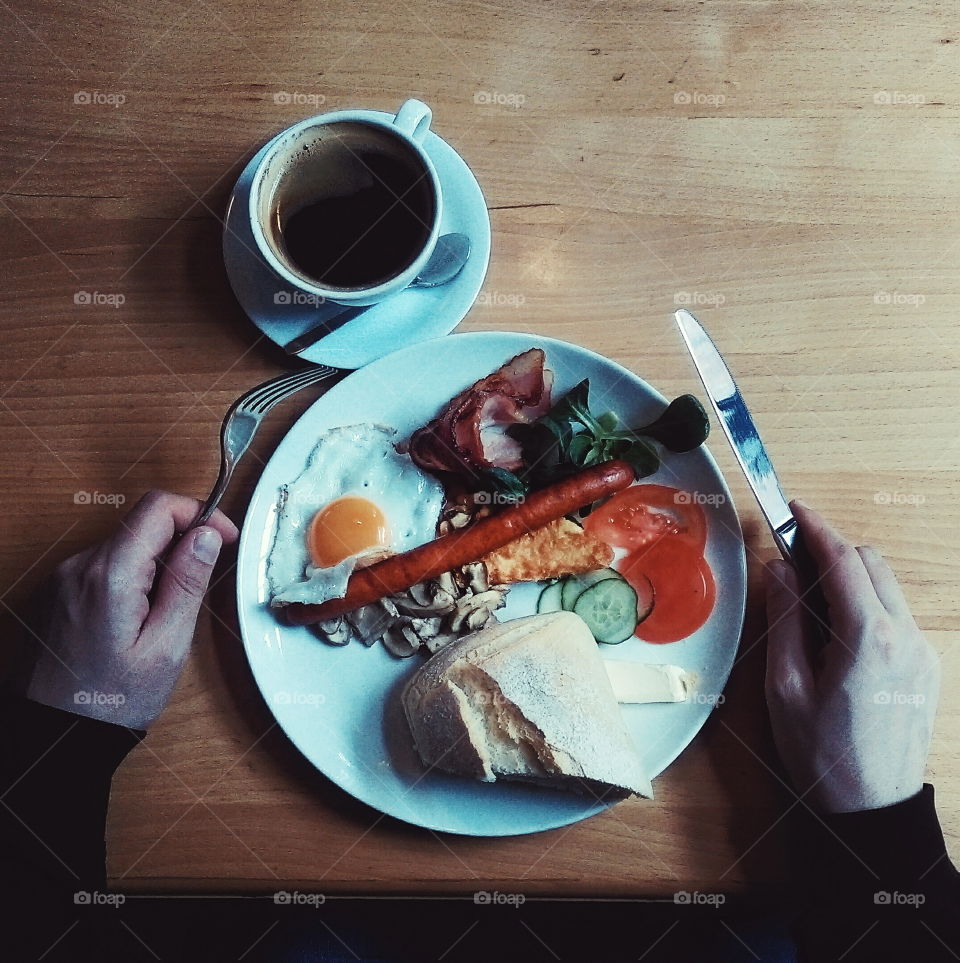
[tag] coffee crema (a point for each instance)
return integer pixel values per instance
(353, 208)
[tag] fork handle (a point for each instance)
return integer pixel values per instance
(241, 424)
(237, 434)
(213, 499)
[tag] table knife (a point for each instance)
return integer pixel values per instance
(741, 432)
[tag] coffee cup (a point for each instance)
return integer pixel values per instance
(345, 207)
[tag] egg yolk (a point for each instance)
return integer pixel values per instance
(346, 527)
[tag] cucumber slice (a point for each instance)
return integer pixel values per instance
(644, 589)
(573, 585)
(610, 610)
(549, 600)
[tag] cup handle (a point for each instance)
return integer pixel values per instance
(413, 119)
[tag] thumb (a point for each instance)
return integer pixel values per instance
(180, 587)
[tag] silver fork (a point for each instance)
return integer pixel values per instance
(243, 419)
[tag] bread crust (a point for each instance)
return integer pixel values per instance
(527, 699)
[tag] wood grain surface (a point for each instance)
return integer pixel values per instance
(788, 170)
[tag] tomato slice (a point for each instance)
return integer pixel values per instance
(684, 591)
(644, 514)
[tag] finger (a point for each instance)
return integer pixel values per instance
(846, 585)
(884, 581)
(789, 669)
(181, 584)
(159, 514)
(150, 527)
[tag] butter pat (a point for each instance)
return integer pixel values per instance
(637, 682)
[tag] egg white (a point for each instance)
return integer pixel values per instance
(353, 460)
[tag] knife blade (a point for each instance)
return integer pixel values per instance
(738, 425)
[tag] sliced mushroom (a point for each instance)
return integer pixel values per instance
(407, 606)
(371, 621)
(442, 639)
(459, 520)
(457, 620)
(420, 593)
(425, 601)
(443, 601)
(401, 640)
(426, 628)
(478, 618)
(446, 583)
(476, 574)
(335, 631)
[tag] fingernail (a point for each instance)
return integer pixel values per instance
(773, 573)
(206, 545)
(802, 503)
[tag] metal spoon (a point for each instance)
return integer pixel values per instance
(451, 253)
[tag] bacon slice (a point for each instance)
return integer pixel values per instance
(470, 432)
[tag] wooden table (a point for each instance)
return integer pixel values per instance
(787, 169)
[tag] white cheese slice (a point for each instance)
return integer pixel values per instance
(638, 682)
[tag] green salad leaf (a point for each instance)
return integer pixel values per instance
(570, 437)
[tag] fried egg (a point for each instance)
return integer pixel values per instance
(356, 496)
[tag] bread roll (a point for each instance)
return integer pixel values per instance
(527, 699)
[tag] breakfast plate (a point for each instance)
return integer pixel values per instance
(340, 705)
(412, 315)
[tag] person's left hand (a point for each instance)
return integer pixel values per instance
(115, 622)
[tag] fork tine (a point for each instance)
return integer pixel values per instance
(264, 395)
(272, 392)
(254, 404)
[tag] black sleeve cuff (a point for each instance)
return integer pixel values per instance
(880, 885)
(55, 773)
(894, 844)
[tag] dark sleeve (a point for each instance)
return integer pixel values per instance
(881, 886)
(55, 773)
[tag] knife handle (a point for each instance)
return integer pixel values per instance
(793, 548)
(321, 329)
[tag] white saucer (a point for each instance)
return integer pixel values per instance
(413, 315)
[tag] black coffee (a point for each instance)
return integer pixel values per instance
(354, 209)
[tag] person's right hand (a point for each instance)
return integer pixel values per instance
(115, 622)
(852, 723)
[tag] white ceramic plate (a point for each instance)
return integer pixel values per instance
(340, 705)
